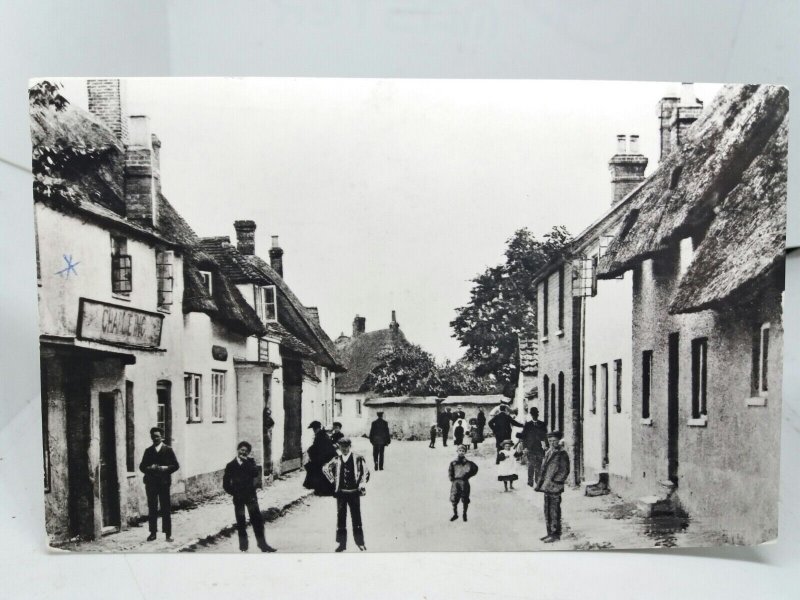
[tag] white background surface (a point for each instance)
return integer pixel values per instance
(721, 41)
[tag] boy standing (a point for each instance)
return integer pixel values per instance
(349, 475)
(434, 433)
(240, 482)
(460, 472)
(555, 469)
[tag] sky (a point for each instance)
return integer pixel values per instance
(391, 194)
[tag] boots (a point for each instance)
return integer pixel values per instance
(358, 536)
(341, 540)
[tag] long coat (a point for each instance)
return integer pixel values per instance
(501, 424)
(319, 453)
(555, 469)
(165, 457)
(379, 433)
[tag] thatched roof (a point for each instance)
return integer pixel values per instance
(681, 195)
(360, 356)
(95, 189)
(746, 241)
(242, 268)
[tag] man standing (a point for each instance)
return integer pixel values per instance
(158, 464)
(239, 481)
(555, 469)
(349, 475)
(534, 440)
(481, 421)
(502, 425)
(379, 437)
(445, 419)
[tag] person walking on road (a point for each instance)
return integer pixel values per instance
(460, 471)
(379, 437)
(158, 464)
(458, 432)
(502, 425)
(475, 433)
(239, 481)
(534, 441)
(434, 432)
(555, 469)
(445, 419)
(481, 421)
(319, 453)
(349, 475)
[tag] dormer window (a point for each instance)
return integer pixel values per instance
(207, 281)
(266, 307)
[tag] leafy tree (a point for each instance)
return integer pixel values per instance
(409, 370)
(502, 305)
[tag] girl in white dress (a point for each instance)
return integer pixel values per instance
(506, 465)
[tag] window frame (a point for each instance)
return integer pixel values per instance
(337, 407)
(761, 362)
(121, 263)
(699, 406)
(130, 428)
(194, 403)
(618, 385)
(358, 407)
(208, 281)
(218, 404)
(261, 303)
(561, 302)
(165, 278)
(545, 301)
(593, 387)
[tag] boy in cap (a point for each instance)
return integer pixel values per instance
(435, 430)
(349, 475)
(460, 472)
(555, 469)
(240, 482)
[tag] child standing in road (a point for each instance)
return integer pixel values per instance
(458, 433)
(460, 472)
(474, 433)
(505, 465)
(434, 432)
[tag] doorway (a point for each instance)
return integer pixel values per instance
(109, 481)
(673, 404)
(604, 438)
(292, 414)
(267, 424)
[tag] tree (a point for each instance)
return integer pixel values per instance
(502, 305)
(408, 370)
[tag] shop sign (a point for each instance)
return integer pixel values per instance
(115, 324)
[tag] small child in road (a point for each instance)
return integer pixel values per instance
(458, 433)
(435, 430)
(460, 472)
(505, 465)
(474, 433)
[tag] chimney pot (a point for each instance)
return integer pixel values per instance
(687, 95)
(276, 256)
(245, 236)
(633, 147)
(359, 326)
(621, 145)
(394, 326)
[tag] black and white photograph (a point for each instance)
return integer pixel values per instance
(309, 315)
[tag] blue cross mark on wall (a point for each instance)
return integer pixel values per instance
(70, 268)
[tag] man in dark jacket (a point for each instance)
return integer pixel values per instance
(445, 419)
(534, 440)
(319, 453)
(240, 482)
(555, 469)
(158, 464)
(481, 421)
(502, 424)
(379, 437)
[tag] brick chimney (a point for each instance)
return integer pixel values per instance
(276, 256)
(245, 236)
(359, 326)
(676, 114)
(394, 326)
(627, 167)
(313, 312)
(107, 103)
(142, 172)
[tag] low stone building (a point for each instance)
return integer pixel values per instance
(705, 242)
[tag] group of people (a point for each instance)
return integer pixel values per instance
(448, 419)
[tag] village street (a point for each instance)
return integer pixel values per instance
(406, 508)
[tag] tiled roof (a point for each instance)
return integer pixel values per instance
(528, 354)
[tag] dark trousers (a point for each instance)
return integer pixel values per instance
(377, 455)
(534, 468)
(474, 444)
(353, 500)
(256, 520)
(433, 440)
(445, 433)
(552, 513)
(459, 492)
(158, 496)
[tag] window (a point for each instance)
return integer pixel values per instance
(593, 378)
(546, 386)
(699, 377)
(604, 387)
(207, 281)
(618, 385)
(265, 303)
(164, 262)
(191, 385)
(545, 295)
(130, 448)
(760, 380)
(218, 396)
(337, 405)
(647, 379)
(121, 267)
(358, 407)
(561, 299)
